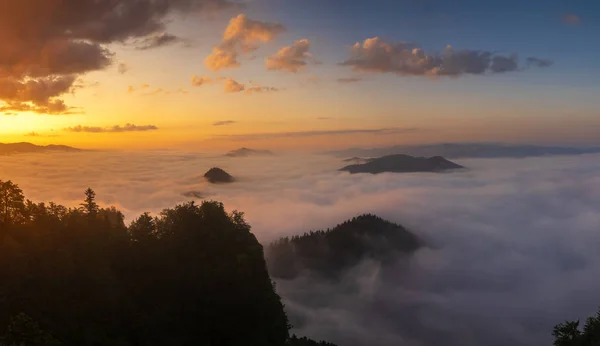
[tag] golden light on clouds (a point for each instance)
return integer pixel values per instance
(241, 37)
(108, 72)
(231, 86)
(292, 58)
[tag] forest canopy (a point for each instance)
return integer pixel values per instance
(193, 275)
(328, 253)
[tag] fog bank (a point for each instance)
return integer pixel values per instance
(514, 242)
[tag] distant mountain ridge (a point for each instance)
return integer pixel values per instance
(245, 152)
(328, 253)
(403, 164)
(25, 147)
(465, 150)
(359, 160)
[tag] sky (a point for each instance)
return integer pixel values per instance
(221, 74)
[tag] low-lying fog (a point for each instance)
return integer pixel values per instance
(514, 243)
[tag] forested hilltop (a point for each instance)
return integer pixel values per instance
(194, 275)
(329, 253)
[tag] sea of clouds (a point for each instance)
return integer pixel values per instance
(513, 244)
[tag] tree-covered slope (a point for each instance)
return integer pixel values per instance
(194, 275)
(328, 253)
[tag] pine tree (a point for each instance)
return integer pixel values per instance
(89, 205)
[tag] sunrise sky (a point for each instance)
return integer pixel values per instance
(298, 74)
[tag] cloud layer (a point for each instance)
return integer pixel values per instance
(157, 40)
(291, 134)
(201, 80)
(349, 80)
(241, 36)
(224, 123)
(231, 86)
(513, 242)
(407, 59)
(62, 40)
(37, 95)
(260, 90)
(111, 129)
(292, 58)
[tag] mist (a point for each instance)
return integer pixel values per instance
(512, 243)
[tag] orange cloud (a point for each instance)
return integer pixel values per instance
(35, 95)
(112, 129)
(157, 92)
(57, 39)
(242, 35)
(52, 107)
(132, 89)
(224, 123)
(200, 81)
(291, 58)
(259, 90)
(231, 86)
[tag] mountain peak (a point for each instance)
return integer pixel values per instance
(216, 175)
(328, 253)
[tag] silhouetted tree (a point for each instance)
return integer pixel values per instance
(569, 333)
(12, 203)
(143, 228)
(193, 275)
(296, 341)
(89, 205)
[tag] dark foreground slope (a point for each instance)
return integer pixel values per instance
(403, 164)
(194, 275)
(329, 253)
